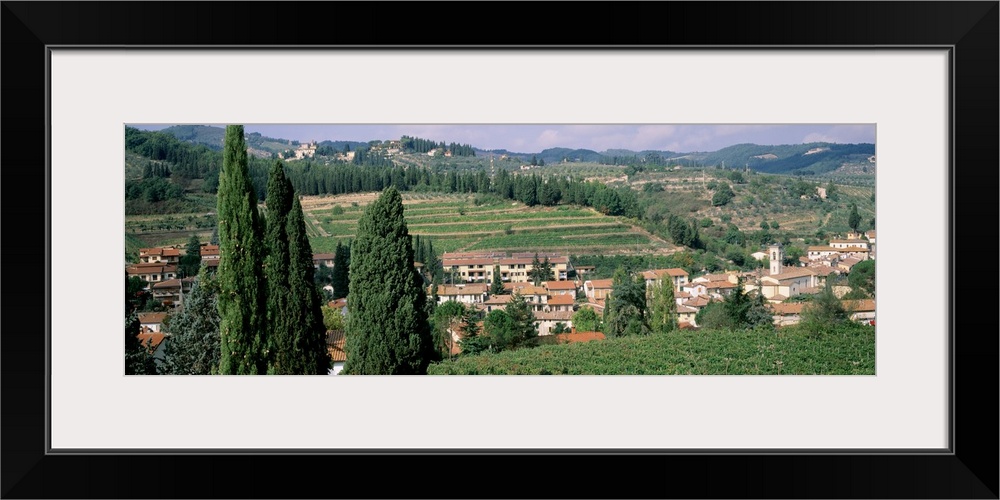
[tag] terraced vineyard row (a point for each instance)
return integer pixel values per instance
(454, 224)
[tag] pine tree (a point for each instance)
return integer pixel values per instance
(387, 330)
(308, 354)
(663, 308)
(276, 272)
(341, 270)
(193, 345)
(242, 292)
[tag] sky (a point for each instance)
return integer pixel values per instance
(534, 138)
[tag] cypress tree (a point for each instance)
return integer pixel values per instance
(496, 288)
(242, 305)
(341, 269)
(307, 352)
(387, 330)
(419, 256)
(536, 271)
(276, 270)
(437, 271)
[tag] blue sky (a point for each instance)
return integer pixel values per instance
(599, 137)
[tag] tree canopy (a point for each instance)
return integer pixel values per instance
(387, 330)
(626, 311)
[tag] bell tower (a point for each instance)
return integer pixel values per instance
(776, 253)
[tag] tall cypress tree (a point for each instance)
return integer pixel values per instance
(387, 330)
(242, 305)
(418, 249)
(307, 351)
(536, 273)
(496, 288)
(341, 270)
(279, 322)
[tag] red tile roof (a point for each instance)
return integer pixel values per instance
(797, 272)
(553, 315)
(560, 285)
(323, 256)
(659, 273)
(719, 284)
(467, 262)
(786, 309)
(162, 251)
(602, 284)
(699, 301)
(209, 250)
(863, 305)
(561, 300)
(335, 345)
(337, 304)
(152, 317)
(497, 300)
(173, 283)
(151, 268)
(525, 288)
(150, 340)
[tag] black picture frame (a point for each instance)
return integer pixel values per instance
(969, 471)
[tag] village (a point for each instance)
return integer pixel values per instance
(556, 300)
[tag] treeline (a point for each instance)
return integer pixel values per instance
(418, 145)
(314, 179)
(187, 161)
(376, 174)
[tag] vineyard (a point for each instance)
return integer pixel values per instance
(848, 350)
(457, 223)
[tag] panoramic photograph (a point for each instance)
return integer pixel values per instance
(478, 249)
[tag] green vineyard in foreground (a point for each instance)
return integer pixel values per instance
(848, 350)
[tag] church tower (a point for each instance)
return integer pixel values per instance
(776, 254)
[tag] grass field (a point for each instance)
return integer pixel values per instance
(848, 350)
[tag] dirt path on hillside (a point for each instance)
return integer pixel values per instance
(318, 227)
(515, 221)
(470, 214)
(519, 230)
